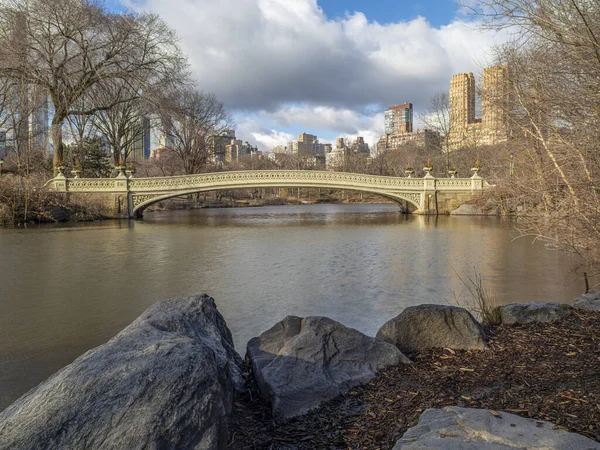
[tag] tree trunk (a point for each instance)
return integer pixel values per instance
(57, 141)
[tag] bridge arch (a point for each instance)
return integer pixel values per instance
(143, 201)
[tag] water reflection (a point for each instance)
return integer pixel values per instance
(66, 289)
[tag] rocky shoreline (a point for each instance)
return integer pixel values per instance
(433, 378)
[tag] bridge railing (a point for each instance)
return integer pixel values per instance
(265, 177)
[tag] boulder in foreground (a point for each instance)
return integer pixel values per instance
(166, 381)
(455, 428)
(302, 362)
(589, 301)
(520, 313)
(433, 326)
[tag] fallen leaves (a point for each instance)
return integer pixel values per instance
(545, 372)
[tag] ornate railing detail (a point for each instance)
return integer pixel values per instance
(94, 184)
(413, 197)
(142, 192)
(275, 177)
(141, 199)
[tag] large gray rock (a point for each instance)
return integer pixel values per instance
(166, 381)
(433, 326)
(303, 362)
(520, 313)
(454, 428)
(589, 301)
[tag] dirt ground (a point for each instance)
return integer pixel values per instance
(541, 371)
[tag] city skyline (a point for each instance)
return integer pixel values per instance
(326, 68)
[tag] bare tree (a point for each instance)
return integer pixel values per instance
(66, 47)
(437, 118)
(164, 162)
(82, 127)
(123, 124)
(23, 136)
(190, 120)
(554, 79)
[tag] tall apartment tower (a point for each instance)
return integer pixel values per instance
(399, 119)
(494, 104)
(140, 145)
(462, 100)
(491, 129)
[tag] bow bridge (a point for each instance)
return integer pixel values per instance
(427, 195)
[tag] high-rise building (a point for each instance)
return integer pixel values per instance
(399, 119)
(39, 129)
(218, 146)
(462, 100)
(337, 157)
(140, 145)
(225, 148)
(494, 104)
(420, 138)
(307, 145)
(465, 129)
(359, 146)
(399, 129)
(237, 149)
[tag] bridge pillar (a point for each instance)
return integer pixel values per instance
(429, 195)
(130, 214)
(476, 182)
(122, 191)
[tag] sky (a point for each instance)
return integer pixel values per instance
(325, 67)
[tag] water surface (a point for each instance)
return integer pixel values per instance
(65, 289)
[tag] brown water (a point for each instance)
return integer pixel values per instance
(66, 289)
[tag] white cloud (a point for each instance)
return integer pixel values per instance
(287, 60)
(253, 130)
(272, 138)
(262, 53)
(323, 117)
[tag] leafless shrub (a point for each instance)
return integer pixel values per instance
(23, 199)
(477, 298)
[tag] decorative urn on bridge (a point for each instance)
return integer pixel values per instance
(120, 171)
(76, 172)
(428, 167)
(130, 170)
(60, 170)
